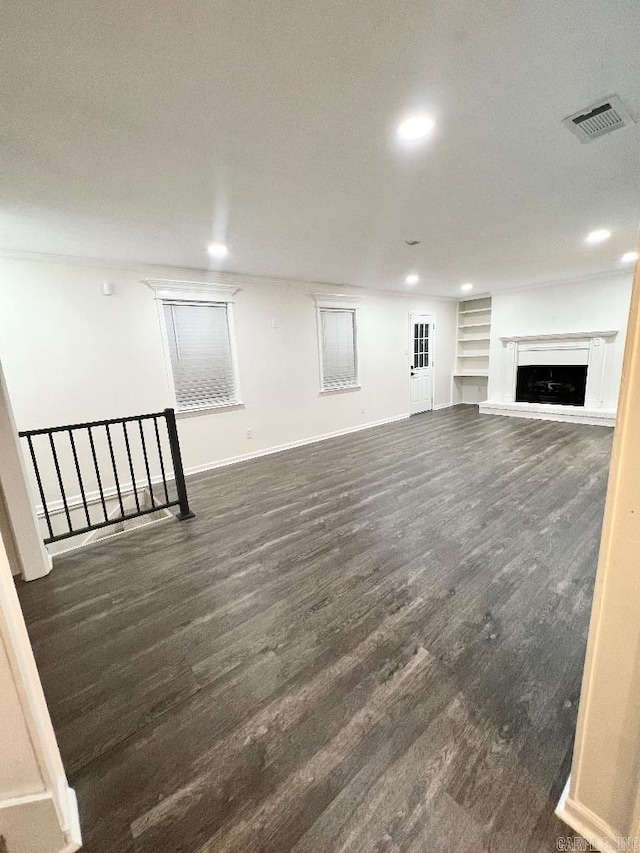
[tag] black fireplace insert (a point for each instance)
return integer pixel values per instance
(561, 384)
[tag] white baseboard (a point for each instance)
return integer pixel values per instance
(587, 824)
(126, 489)
(563, 414)
(32, 823)
(73, 834)
(245, 457)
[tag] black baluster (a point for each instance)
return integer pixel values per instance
(164, 476)
(115, 469)
(146, 461)
(80, 483)
(95, 465)
(40, 489)
(60, 483)
(133, 476)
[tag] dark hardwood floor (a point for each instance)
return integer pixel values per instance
(373, 643)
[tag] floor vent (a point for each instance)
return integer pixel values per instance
(604, 117)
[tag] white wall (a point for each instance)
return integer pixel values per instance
(603, 798)
(38, 812)
(71, 354)
(594, 305)
(17, 503)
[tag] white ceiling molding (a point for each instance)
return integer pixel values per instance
(200, 291)
(337, 300)
(615, 272)
(244, 279)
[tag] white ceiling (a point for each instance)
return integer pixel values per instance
(141, 131)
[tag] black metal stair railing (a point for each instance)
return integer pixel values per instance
(119, 434)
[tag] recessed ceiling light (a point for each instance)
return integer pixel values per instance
(412, 279)
(598, 236)
(629, 257)
(217, 250)
(415, 127)
(467, 286)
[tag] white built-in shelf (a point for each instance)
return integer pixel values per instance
(472, 362)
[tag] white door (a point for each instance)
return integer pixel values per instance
(421, 362)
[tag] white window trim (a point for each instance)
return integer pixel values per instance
(343, 302)
(171, 291)
(337, 300)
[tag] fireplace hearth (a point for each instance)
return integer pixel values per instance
(558, 384)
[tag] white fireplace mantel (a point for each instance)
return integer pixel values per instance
(611, 333)
(588, 347)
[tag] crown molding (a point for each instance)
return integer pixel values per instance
(143, 269)
(581, 279)
(423, 291)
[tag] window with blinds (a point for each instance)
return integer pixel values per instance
(338, 348)
(202, 362)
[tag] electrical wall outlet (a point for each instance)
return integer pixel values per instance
(249, 433)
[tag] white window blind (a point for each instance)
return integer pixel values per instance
(338, 348)
(201, 357)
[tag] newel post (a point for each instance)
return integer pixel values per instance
(178, 470)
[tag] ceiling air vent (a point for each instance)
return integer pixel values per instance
(600, 118)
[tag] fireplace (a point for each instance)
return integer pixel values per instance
(557, 376)
(557, 384)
